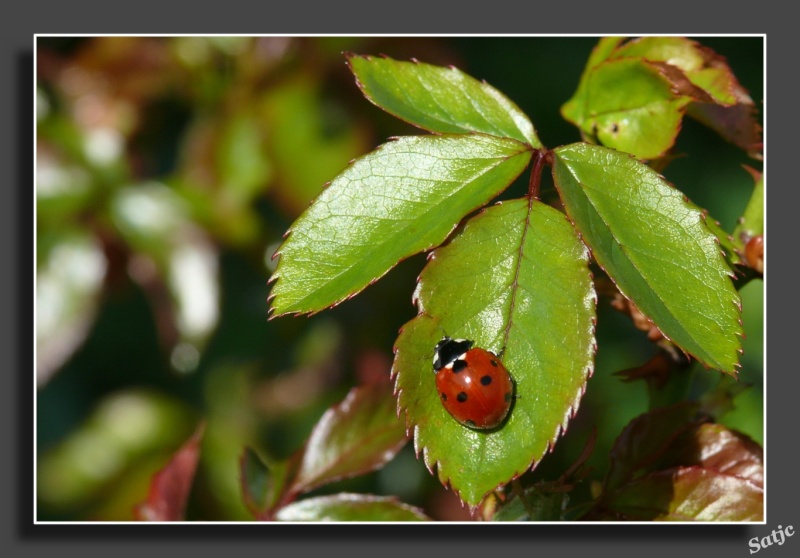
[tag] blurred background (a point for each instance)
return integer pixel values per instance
(168, 170)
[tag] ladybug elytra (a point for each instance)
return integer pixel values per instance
(473, 384)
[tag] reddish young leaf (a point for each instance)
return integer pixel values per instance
(716, 448)
(645, 440)
(669, 465)
(689, 494)
(169, 489)
(359, 435)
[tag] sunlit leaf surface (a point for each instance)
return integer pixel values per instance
(656, 248)
(670, 465)
(630, 105)
(357, 436)
(350, 507)
(515, 280)
(440, 99)
(401, 199)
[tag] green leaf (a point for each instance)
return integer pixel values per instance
(728, 244)
(515, 279)
(602, 51)
(542, 505)
(702, 66)
(350, 507)
(695, 75)
(401, 199)
(728, 110)
(572, 110)
(255, 480)
(752, 221)
(443, 100)
(264, 485)
(359, 435)
(656, 248)
(630, 105)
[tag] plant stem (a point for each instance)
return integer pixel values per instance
(536, 174)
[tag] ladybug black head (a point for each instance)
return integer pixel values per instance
(448, 350)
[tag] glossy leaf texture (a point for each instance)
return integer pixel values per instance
(357, 436)
(690, 494)
(350, 507)
(655, 247)
(630, 88)
(729, 111)
(672, 465)
(730, 248)
(515, 281)
(401, 199)
(701, 65)
(441, 100)
(630, 105)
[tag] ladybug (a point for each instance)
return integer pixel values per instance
(473, 385)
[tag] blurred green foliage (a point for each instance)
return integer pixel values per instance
(168, 170)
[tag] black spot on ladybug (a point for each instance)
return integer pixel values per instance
(470, 423)
(486, 380)
(444, 396)
(459, 365)
(461, 397)
(494, 363)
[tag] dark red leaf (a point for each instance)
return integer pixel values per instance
(672, 465)
(688, 494)
(169, 489)
(736, 124)
(645, 440)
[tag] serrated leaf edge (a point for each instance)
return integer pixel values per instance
(412, 429)
(729, 272)
(277, 273)
(512, 108)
